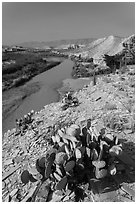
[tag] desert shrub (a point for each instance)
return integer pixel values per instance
(19, 81)
(114, 122)
(12, 68)
(119, 122)
(83, 71)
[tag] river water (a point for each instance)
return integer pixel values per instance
(49, 82)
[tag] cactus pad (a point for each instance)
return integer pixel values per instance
(69, 166)
(61, 157)
(115, 150)
(101, 174)
(78, 153)
(25, 177)
(48, 170)
(62, 183)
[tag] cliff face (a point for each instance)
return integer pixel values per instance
(110, 102)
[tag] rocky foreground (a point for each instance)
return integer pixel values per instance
(110, 104)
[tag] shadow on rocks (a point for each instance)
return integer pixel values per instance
(125, 175)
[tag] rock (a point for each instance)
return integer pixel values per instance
(125, 187)
(8, 162)
(7, 199)
(55, 198)
(43, 192)
(9, 173)
(109, 137)
(3, 185)
(14, 192)
(29, 195)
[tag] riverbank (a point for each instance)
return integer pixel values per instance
(111, 104)
(44, 91)
(20, 80)
(13, 97)
(18, 68)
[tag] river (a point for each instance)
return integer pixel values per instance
(49, 82)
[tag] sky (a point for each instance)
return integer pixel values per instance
(48, 21)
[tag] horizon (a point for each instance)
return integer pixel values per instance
(65, 40)
(56, 21)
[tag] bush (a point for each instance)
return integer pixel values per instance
(114, 122)
(9, 69)
(19, 81)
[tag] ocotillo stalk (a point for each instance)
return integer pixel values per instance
(94, 79)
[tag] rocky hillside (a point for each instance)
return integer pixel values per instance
(109, 45)
(110, 104)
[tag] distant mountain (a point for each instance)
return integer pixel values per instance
(57, 43)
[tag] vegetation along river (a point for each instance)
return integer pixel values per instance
(49, 81)
(46, 87)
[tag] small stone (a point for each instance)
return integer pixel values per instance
(125, 199)
(8, 198)
(18, 159)
(15, 153)
(55, 198)
(4, 194)
(125, 187)
(14, 192)
(8, 162)
(9, 185)
(21, 152)
(10, 172)
(109, 137)
(66, 198)
(3, 185)
(112, 195)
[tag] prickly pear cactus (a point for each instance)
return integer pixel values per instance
(61, 157)
(75, 151)
(62, 183)
(69, 166)
(25, 177)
